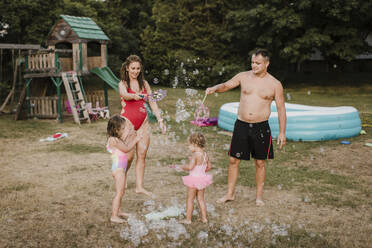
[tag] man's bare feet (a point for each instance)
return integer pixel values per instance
(185, 221)
(145, 192)
(226, 198)
(117, 220)
(122, 214)
(260, 203)
(205, 221)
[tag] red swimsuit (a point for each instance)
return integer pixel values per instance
(134, 110)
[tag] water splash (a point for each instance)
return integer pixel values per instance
(137, 229)
(203, 237)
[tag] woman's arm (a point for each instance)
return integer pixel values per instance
(124, 92)
(155, 109)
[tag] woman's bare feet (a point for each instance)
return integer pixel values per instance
(205, 221)
(226, 198)
(145, 192)
(260, 203)
(185, 221)
(116, 219)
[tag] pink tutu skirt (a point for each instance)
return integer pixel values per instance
(199, 182)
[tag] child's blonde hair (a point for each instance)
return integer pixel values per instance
(197, 139)
(114, 125)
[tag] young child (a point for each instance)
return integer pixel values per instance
(120, 141)
(198, 179)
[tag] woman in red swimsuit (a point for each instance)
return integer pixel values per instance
(133, 89)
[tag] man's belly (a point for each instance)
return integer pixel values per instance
(253, 116)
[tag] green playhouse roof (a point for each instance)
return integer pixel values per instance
(85, 28)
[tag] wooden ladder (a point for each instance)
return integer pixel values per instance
(75, 97)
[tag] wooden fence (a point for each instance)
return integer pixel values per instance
(43, 107)
(41, 61)
(46, 106)
(92, 96)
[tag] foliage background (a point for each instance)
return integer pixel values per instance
(200, 43)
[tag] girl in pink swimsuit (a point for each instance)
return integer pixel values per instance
(198, 179)
(118, 133)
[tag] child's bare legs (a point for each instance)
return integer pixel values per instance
(191, 193)
(119, 177)
(202, 205)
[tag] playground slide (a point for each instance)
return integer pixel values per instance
(107, 75)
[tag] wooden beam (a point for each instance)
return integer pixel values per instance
(19, 46)
(63, 50)
(41, 75)
(75, 57)
(85, 57)
(103, 55)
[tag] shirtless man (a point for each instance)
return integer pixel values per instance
(252, 134)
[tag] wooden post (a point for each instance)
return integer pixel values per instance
(105, 93)
(21, 99)
(85, 57)
(75, 57)
(1, 65)
(52, 58)
(27, 101)
(57, 82)
(103, 55)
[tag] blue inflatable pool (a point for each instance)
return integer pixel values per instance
(304, 123)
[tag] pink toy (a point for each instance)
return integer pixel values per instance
(201, 116)
(211, 121)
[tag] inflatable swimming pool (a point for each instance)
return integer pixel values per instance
(304, 123)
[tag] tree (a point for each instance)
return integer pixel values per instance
(291, 30)
(187, 41)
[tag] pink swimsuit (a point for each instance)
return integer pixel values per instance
(198, 178)
(119, 158)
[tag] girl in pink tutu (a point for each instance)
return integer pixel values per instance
(198, 179)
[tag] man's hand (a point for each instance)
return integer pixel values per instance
(281, 140)
(210, 90)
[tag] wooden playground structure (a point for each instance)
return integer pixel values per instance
(62, 65)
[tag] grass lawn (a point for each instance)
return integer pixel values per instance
(58, 194)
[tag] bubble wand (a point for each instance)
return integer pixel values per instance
(202, 112)
(205, 96)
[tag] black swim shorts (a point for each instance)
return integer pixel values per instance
(251, 138)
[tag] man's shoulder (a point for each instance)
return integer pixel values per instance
(273, 80)
(244, 74)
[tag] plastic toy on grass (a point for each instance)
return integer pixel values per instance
(54, 137)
